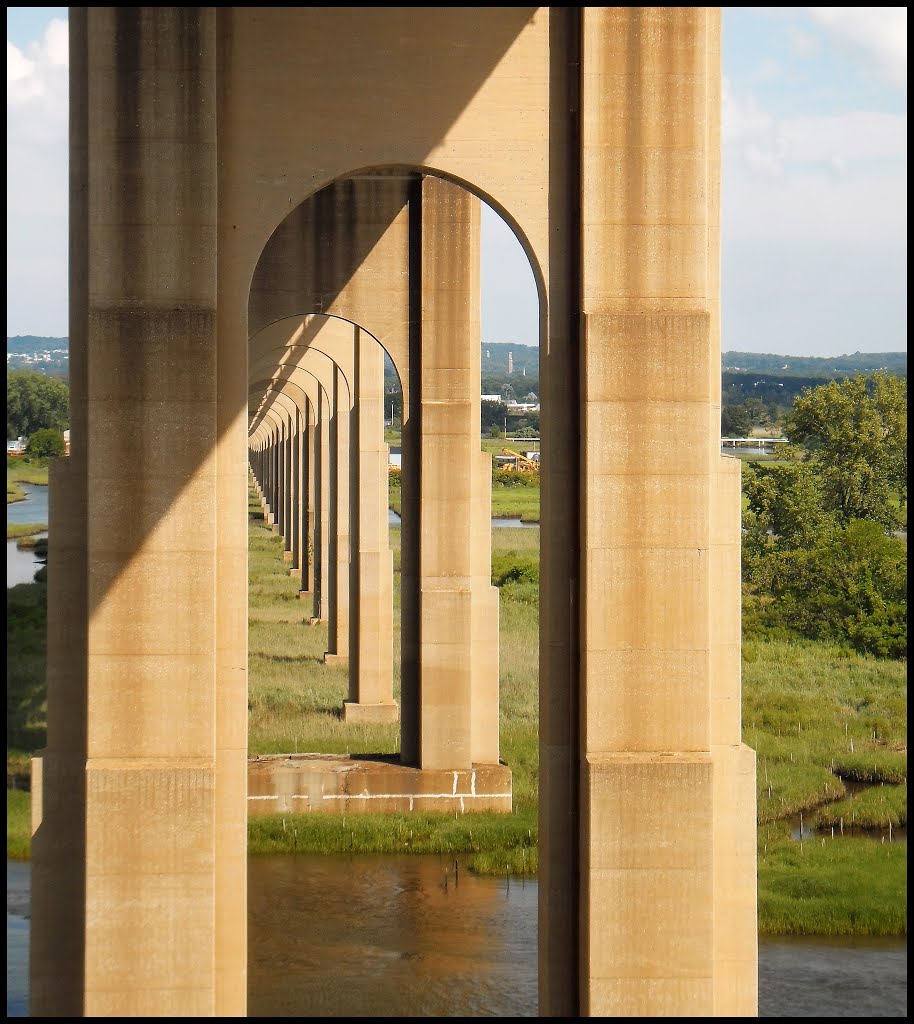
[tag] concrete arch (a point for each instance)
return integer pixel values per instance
(334, 382)
(302, 528)
(416, 172)
(608, 158)
(370, 642)
(315, 525)
(286, 411)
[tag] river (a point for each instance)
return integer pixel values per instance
(407, 936)
(21, 563)
(335, 936)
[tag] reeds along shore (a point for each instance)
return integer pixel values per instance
(829, 728)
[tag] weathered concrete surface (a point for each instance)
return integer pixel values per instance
(607, 165)
(337, 784)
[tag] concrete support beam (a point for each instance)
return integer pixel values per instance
(658, 583)
(163, 755)
(338, 625)
(182, 171)
(324, 348)
(371, 560)
(451, 663)
(58, 881)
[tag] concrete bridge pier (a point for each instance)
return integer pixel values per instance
(371, 560)
(450, 634)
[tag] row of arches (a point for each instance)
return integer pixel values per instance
(449, 643)
(232, 168)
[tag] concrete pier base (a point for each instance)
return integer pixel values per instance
(337, 784)
(370, 714)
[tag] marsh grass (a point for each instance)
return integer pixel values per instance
(22, 469)
(516, 503)
(26, 704)
(26, 535)
(822, 721)
(824, 886)
(18, 824)
(295, 700)
(818, 718)
(874, 808)
(480, 839)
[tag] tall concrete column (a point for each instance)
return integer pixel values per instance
(338, 625)
(297, 502)
(264, 418)
(660, 828)
(310, 497)
(322, 512)
(155, 766)
(447, 485)
(58, 854)
(371, 561)
(288, 496)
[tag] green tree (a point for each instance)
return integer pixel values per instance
(850, 588)
(493, 416)
(854, 432)
(819, 558)
(46, 444)
(787, 501)
(34, 402)
(735, 421)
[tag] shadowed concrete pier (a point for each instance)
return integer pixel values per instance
(232, 167)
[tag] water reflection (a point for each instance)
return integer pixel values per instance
(388, 936)
(21, 564)
(847, 977)
(393, 519)
(405, 937)
(32, 509)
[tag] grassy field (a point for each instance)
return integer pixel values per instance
(829, 729)
(22, 470)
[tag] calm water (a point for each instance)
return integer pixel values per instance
(352, 937)
(22, 565)
(394, 520)
(34, 509)
(344, 937)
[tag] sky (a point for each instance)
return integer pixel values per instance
(813, 185)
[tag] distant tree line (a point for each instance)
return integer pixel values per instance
(35, 401)
(821, 558)
(820, 367)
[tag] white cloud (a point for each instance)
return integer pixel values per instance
(751, 135)
(37, 159)
(878, 34)
(803, 44)
(37, 86)
(855, 136)
(762, 146)
(813, 226)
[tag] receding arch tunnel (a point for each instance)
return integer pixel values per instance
(597, 130)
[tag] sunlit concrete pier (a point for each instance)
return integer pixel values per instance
(239, 178)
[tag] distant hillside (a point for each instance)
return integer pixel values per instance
(816, 366)
(776, 379)
(498, 357)
(29, 344)
(46, 355)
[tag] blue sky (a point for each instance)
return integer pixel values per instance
(814, 185)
